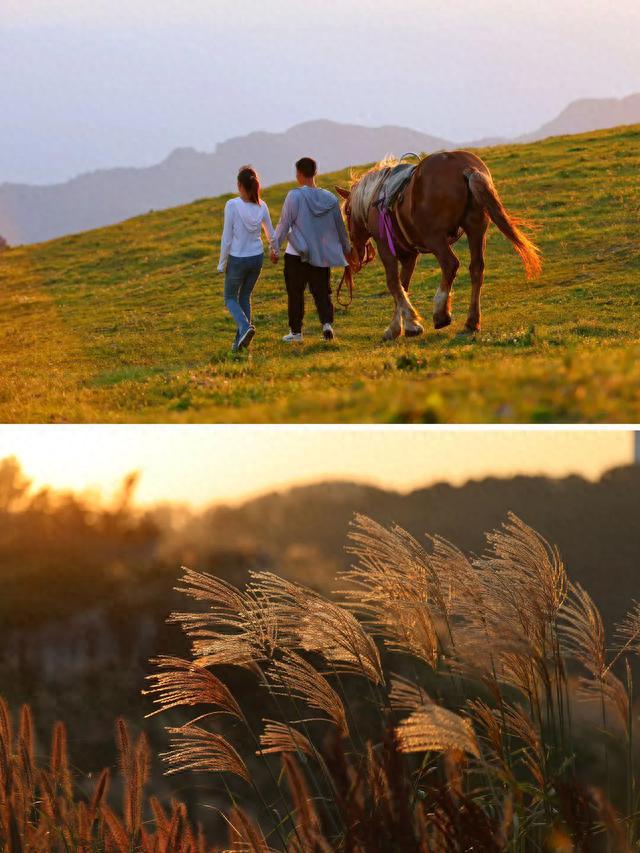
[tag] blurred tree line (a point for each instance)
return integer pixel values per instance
(59, 549)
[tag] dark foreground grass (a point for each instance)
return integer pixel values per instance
(127, 323)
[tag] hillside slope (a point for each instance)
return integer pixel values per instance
(127, 323)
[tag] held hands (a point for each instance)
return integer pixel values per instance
(274, 256)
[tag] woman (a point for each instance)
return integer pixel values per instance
(241, 252)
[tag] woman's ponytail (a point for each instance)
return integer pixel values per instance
(248, 179)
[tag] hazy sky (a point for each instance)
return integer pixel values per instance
(122, 82)
(197, 465)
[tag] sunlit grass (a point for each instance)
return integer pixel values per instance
(127, 323)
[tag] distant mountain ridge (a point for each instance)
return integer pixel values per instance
(34, 213)
(589, 114)
(30, 213)
(591, 522)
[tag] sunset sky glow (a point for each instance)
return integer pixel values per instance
(198, 465)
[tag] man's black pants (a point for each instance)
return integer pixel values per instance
(297, 275)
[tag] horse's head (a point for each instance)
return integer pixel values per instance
(363, 250)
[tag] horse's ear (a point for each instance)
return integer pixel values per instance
(342, 192)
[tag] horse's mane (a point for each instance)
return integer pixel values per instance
(364, 187)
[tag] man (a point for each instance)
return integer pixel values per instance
(312, 222)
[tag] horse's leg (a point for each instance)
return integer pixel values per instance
(408, 262)
(412, 328)
(442, 300)
(476, 235)
(404, 310)
(394, 329)
(407, 267)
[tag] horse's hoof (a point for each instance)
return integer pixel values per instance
(414, 331)
(470, 330)
(441, 322)
(390, 335)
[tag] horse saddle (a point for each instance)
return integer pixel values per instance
(390, 192)
(395, 183)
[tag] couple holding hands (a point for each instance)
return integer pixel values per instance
(317, 240)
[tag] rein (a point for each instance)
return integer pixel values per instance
(347, 276)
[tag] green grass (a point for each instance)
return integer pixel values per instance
(127, 323)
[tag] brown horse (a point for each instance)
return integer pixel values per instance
(449, 194)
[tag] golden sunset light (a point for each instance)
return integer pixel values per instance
(196, 465)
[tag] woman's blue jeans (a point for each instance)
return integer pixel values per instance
(239, 281)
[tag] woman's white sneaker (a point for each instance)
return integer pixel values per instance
(246, 339)
(293, 338)
(327, 332)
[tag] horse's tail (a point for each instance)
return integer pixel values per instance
(484, 192)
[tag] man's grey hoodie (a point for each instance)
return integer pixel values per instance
(312, 221)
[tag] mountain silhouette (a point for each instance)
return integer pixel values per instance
(589, 114)
(303, 531)
(30, 213)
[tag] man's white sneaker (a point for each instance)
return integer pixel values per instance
(293, 338)
(327, 332)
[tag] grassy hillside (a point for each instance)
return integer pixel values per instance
(127, 323)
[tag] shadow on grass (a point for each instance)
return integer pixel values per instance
(123, 374)
(587, 331)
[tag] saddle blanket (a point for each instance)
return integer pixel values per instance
(395, 182)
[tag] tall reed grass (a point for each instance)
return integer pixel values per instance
(45, 807)
(437, 702)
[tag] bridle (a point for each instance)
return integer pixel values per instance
(353, 268)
